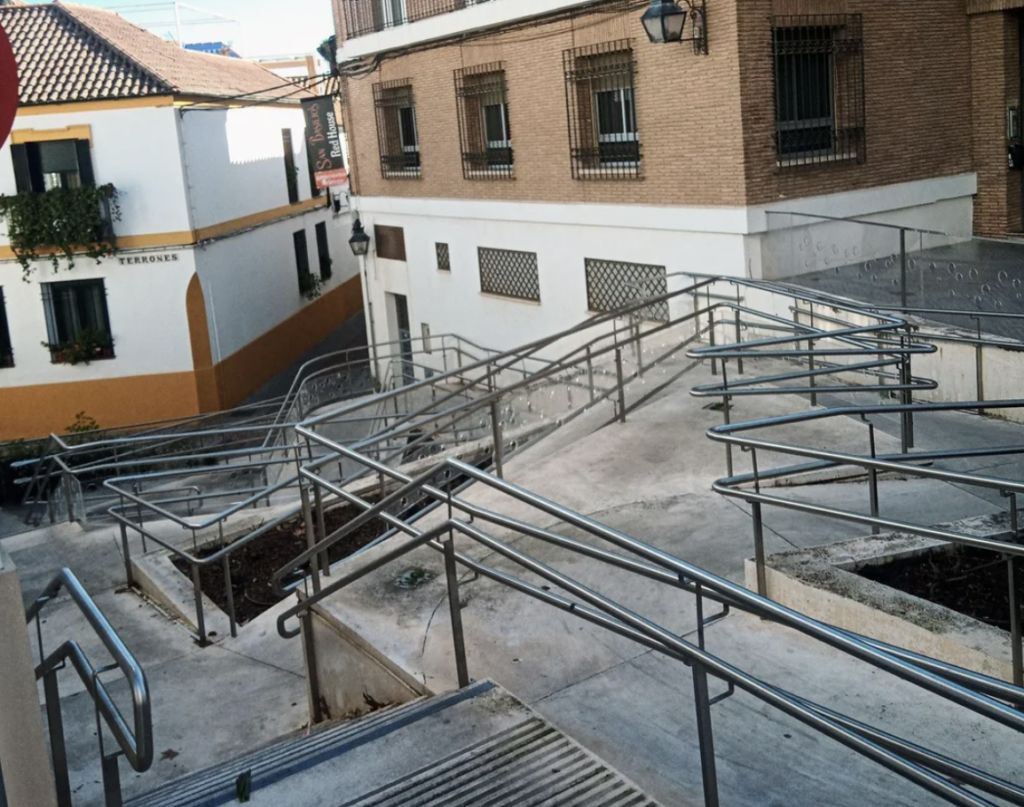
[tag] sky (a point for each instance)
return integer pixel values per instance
(263, 27)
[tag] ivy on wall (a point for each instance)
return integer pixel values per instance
(61, 222)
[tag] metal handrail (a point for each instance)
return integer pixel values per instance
(135, 741)
(656, 564)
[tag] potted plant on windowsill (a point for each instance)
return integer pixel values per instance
(309, 285)
(60, 223)
(89, 345)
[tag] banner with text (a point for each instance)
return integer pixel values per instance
(323, 142)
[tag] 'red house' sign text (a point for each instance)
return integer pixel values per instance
(323, 142)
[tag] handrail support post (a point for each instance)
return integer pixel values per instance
(455, 608)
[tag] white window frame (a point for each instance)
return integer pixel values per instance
(626, 136)
(388, 9)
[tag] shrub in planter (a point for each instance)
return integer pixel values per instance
(88, 346)
(309, 285)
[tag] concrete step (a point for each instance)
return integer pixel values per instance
(476, 746)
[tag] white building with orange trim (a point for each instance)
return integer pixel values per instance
(222, 244)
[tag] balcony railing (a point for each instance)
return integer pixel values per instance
(368, 16)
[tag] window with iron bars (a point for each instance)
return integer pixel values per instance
(600, 96)
(509, 273)
(484, 130)
(615, 284)
(397, 134)
(444, 261)
(819, 89)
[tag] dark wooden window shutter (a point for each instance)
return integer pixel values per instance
(22, 171)
(390, 242)
(85, 172)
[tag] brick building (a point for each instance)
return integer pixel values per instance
(518, 159)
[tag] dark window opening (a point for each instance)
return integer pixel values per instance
(6, 350)
(41, 167)
(397, 133)
(819, 88)
(76, 312)
(600, 92)
(291, 171)
(444, 261)
(484, 130)
(301, 259)
(323, 251)
(390, 242)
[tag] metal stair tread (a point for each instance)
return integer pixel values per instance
(215, 785)
(530, 765)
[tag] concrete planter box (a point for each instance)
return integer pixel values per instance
(822, 583)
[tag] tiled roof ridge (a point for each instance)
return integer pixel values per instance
(68, 10)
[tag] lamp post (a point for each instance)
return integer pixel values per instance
(360, 244)
(664, 21)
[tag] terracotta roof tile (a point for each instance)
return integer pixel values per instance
(71, 53)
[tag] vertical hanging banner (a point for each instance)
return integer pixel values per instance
(323, 142)
(8, 87)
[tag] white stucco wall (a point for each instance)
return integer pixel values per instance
(250, 280)
(146, 306)
(134, 149)
(234, 161)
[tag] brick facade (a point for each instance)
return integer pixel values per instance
(995, 78)
(706, 124)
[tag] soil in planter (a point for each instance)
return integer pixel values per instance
(971, 581)
(254, 565)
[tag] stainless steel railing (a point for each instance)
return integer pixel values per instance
(134, 741)
(918, 764)
(803, 345)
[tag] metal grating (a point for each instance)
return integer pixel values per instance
(367, 16)
(444, 261)
(615, 284)
(819, 89)
(600, 97)
(397, 131)
(530, 765)
(509, 273)
(484, 130)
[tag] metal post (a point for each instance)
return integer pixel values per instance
(58, 751)
(739, 338)
(316, 711)
(726, 417)
(318, 502)
(705, 736)
(69, 499)
(639, 350)
(622, 386)
(810, 366)
(455, 607)
(499, 448)
(909, 393)
(873, 480)
(307, 517)
(979, 366)
(111, 780)
(130, 578)
(198, 592)
(711, 335)
(903, 267)
(590, 374)
(905, 426)
(696, 314)
(755, 512)
(1016, 649)
(230, 594)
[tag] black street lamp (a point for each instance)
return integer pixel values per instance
(360, 241)
(665, 21)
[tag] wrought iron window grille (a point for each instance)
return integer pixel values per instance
(484, 130)
(615, 284)
(397, 132)
(600, 96)
(369, 16)
(819, 89)
(509, 273)
(444, 262)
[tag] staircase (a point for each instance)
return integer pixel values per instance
(477, 746)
